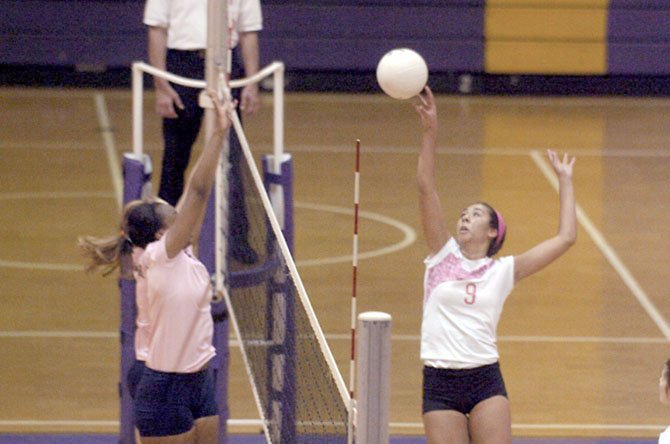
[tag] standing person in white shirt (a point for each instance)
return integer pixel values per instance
(177, 35)
(464, 396)
(174, 401)
(664, 396)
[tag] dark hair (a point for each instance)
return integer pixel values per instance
(496, 243)
(142, 224)
(667, 375)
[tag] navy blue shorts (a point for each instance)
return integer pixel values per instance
(168, 404)
(134, 376)
(460, 390)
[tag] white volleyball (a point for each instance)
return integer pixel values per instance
(402, 73)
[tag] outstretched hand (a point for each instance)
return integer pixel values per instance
(427, 110)
(223, 111)
(562, 167)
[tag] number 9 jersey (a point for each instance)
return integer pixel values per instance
(462, 303)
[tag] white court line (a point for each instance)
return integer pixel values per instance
(409, 234)
(474, 151)
(389, 149)
(56, 195)
(608, 252)
(396, 425)
(615, 427)
(65, 334)
(110, 147)
(40, 266)
(408, 239)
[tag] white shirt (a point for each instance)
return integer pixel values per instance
(186, 20)
(664, 437)
(463, 301)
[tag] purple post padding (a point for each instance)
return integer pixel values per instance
(206, 243)
(285, 180)
(285, 397)
(135, 175)
(220, 369)
(219, 365)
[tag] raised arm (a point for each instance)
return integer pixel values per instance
(193, 202)
(548, 251)
(432, 217)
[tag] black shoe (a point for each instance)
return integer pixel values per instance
(243, 253)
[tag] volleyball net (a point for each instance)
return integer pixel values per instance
(299, 391)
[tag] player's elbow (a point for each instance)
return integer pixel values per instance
(568, 239)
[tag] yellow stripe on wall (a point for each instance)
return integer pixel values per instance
(546, 24)
(595, 4)
(545, 58)
(548, 37)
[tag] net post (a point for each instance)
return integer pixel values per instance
(216, 61)
(373, 378)
(278, 124)
(138, 93)
(136, 174)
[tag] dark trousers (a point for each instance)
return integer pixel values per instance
(179, 135)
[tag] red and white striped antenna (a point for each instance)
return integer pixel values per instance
(352, 366)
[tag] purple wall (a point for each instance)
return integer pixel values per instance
(317, 35)
(638, 37)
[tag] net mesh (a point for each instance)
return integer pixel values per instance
(297, 391)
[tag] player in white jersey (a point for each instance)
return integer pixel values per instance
(464, 396)
(664, 396)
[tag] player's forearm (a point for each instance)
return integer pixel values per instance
(426, 166)
(204, 171)
(567, 230)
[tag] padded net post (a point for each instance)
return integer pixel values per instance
(373, 378)
(136, 176)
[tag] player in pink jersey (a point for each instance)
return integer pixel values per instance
(175, 400)
(464, 395)
(664, 397)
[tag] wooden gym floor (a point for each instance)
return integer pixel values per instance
(581, 343)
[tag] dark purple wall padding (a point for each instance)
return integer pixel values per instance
(338, 37)
(67, 32)
(639, 37)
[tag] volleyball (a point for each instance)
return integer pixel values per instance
(402, 73)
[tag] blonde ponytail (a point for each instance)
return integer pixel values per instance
(106, 253)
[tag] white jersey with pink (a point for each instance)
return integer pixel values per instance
(179, 296)
(142, 331)
(462, 304)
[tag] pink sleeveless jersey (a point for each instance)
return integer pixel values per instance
(179, 296)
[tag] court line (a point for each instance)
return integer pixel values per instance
(408, 232)
(56, 195)
(110, 147)
(474, 151)
(607, 251)
(391, 149)
(74, 334)
(397, 425)
(617, 427)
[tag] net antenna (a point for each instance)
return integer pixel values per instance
(352, 363)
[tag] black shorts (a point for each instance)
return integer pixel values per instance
(169, 403)
(460, 390)
(134, 376)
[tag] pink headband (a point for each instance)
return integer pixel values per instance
(502, 228)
